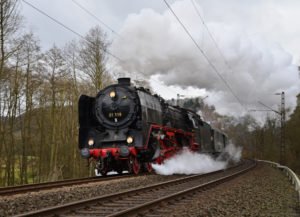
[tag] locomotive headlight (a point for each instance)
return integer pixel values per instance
(112, 94)
(91, 142)
(129, 139)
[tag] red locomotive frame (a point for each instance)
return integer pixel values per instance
(166, 139)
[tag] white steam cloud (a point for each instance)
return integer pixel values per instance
(231, 153)
(187, 162)
(155, 44)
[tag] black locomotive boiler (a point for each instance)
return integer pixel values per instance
(128, 128)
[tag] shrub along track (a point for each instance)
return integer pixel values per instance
(144, 200)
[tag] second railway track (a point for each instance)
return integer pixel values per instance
(56, 184)
(146, 201)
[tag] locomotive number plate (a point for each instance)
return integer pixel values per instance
(115, 114)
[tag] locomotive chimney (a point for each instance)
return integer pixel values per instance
(124, 81)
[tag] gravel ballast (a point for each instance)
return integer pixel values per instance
(264, 191)
(22, 203)
(16, 204)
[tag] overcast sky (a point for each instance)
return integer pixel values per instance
(258, 40)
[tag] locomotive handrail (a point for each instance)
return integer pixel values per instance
(290, 174)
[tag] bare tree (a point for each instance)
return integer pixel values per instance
(31, 56)
(10, 21)
(9, 25)
(71, 54)
(93, 57)
(14, 101)
(55, 66)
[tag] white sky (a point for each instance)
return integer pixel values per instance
(259, 39)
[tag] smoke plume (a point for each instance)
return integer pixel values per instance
(155, 45)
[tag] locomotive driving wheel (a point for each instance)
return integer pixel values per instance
(134, 165)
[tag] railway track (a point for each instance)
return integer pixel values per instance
(56, 184)
(146, 201)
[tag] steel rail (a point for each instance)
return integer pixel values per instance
(202, 187)
(4, 191)
(51, 211)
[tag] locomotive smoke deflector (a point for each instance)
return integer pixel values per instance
(124, 81)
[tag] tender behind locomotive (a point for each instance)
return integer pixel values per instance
(128, 128)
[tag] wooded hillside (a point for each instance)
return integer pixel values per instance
(39, 93)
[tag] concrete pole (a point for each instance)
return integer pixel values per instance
(282, 142)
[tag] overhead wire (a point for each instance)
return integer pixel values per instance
(81, 36)
(95, 17)
(213, 40)
(210, 35)
(69, 29)
(204, 54)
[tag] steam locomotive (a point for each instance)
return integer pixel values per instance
(127, 128)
